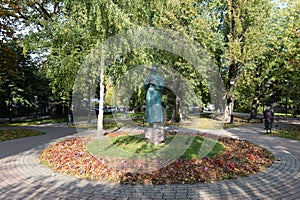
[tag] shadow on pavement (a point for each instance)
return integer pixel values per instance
(12, 147)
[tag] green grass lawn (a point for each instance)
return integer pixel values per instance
(107, 125)
(195, 122)
(119, 115)
(11, 134)
(29, 122)
(209, 123)
(131, 146)
(292, 132)
(283, 114)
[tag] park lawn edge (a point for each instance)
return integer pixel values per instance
(17, 133)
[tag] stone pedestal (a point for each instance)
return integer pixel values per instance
(155, 135)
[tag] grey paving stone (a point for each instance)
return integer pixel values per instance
(23, 177)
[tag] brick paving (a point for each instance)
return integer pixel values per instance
(23, 177)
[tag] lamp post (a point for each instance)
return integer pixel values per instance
(232, 81)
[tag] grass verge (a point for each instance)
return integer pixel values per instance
(292, 132)
(29, 122)
(11, 134)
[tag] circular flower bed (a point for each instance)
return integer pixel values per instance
(239, 158)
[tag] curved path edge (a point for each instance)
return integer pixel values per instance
(23, 177)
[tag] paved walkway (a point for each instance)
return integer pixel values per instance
(23, 177)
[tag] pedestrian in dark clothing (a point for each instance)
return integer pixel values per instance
(269, 119)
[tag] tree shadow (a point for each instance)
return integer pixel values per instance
(13, 147)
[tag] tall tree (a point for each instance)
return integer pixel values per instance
(273, 70)
(235, 33)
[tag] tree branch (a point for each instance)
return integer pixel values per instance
(43, 11)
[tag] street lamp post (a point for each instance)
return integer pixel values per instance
(232, 81)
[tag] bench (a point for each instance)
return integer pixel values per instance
(261, 118)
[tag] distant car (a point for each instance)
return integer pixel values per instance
(210, 107)
(121, 109)
(106, 109)
(109, 109)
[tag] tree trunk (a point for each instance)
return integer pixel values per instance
(253, 113)
(227, 110)
(10, 102)
(176, 110)
(101, 102)
(89, 106)
(180, 111)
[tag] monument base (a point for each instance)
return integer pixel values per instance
(155, 135)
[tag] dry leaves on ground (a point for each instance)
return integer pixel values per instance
(239, 158)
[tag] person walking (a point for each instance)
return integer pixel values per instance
(269, 119)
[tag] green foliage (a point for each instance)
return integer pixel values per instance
(267, 76)
(8, 18)
(21, 81)
(28, 122)
(254, 42)
(177, 118)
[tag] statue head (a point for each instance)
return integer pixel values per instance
(153, 70)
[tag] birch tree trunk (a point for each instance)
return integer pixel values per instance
(101, 102)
